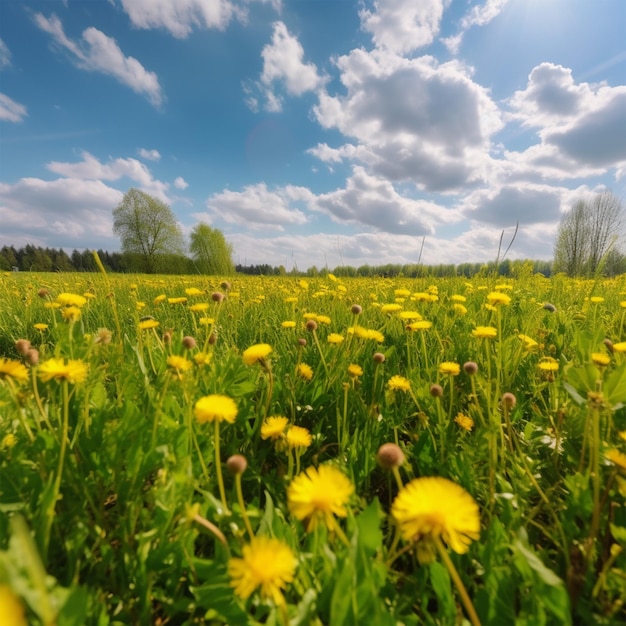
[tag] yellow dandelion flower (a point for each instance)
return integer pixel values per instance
(40, 327)
(288, 324)
(458, 298)
(409, 315)
(334, 338)
(375, 336)
(323, 319)
(215, 407)
(529, 342)
(71, 313)
(601, 359)
(503, 287)
(464, 421)
(391, 308)
(318, 494)
(74, 371)
(202, 358)
(256, 353)
(179, 364)
(290, 299)
(402, 293)
(548, 364)
(398, 383)
(496, 297)
(199, 307)
(160, 298)
(206, 321)
(298, 437)
(140, 305)
(616, 457)
(420, 325)
(459, 308)
(596, 299)
(450, 368)
(193, 291)
(620, 346)
(267, 564)
(622, 434)
(433, 507)
(485, 332)
(304, 371)
(71, 299)
(355, 370)
(147, 324)
(273, 427)
(179, 300)
(11, 609)
(12, 369)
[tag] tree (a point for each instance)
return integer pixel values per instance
(210, 250)
(147, 227)
(587, 233)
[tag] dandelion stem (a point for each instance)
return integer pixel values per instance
(242, 506)
(218, 466)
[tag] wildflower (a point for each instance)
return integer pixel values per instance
(215, 407)
(288, 324)
(318, 494)
(436, 391)
(304, 371)
(355, 370)
(256, 353)
(399, 383)
(485, 332)
(40, 327)
(390, 308)
(529, 342)
(71, 299)
(8, 441)
(356, 309)
(298, 437)
(616, 457)
(199, 307)
(549, 307)
(508, 400)
(390, 455)
(496, 297)
(267, 564)
(334, 338)
(11, 609)
(159, 298)
(22, 346)
(217, 296)
(189, 342)
(32, 356)
(464, 421)
(596, 299)
(449, 367)
(378, 358)
(620, 346)
(71, 313)
(179, 300)
(470, 368)
(201, 358)
(273, 427)
(237, 464)
(458, 298)
(74, 371)
(420, 325)
(103, 336)
(193, 291)
(432, 508)
(323, 319)
(148, 324)
(600, 359)
(402, 293)
(409, 315)
(548, 364)
(179, 364)
(459, 308)
(206, 321)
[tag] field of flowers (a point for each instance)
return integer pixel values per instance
(279, 450)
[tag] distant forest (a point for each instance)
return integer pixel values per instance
(37, 259)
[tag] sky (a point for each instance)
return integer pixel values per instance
(312, 132)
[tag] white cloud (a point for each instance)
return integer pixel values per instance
(180, 183)
(150, 155)
(99, 53)
(259, 208)
(283, 65)
(403, 25)
(11, 111)
(180, 17)
(414, 120)
(90, 168)
(5, 55)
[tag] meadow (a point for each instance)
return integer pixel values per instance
(290, 451)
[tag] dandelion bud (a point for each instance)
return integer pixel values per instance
(22, 346)
(213, 339)
(167, 337)
(356, 309)
(189, 343)
(509, 400)
(236, 464)
(379, 358)
(32, 356)
(436, 391)
(103, 336)
(302, 341)
(549, 307)
(217, 296)
(390, 455)
(470, 368)
(311, 325)
(609, 345)
(225, 285)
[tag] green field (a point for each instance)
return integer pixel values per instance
(182, 450)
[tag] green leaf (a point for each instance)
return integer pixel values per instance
(368, 523)
(615, 385)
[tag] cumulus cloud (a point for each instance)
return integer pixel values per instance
(99, 53)
(150, 155)
(10, 110)
(180, 183)
(402, 25)
(180, 17)
(414, 119)
(259, 208)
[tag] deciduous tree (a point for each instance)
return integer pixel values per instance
(210, 250)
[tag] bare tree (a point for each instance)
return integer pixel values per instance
(587, 233)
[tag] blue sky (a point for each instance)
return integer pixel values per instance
(312, 132)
